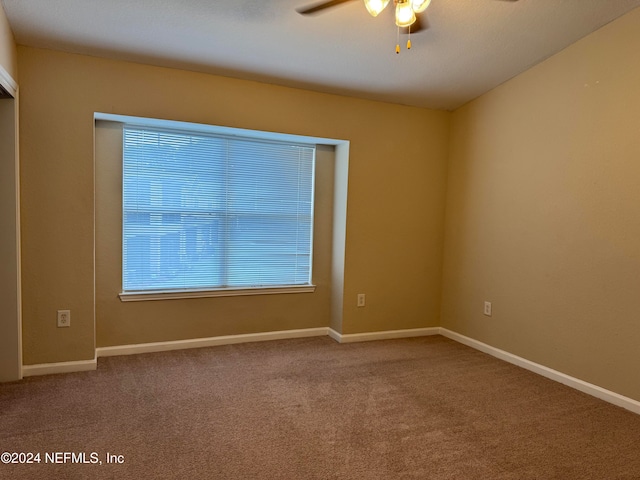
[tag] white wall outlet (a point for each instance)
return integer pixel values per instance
(64, 318)
(487, 309)
(361, 300)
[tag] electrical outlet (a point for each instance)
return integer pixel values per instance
(361, 300)
(64, 318)
(487, 309)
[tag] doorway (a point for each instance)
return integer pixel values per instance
(10, 301)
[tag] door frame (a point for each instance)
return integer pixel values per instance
(10, 280)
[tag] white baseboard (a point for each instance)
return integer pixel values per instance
(60, 367)
(86, 365)
(67, 367)
(588, 388)
(209, 342)
(384, 335)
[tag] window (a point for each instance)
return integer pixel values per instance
(204, 211)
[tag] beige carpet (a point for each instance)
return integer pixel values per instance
(423, 408)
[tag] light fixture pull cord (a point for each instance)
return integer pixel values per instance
(398, 40)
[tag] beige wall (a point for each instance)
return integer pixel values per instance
(543, 212)
(397, 169)
(8, 54)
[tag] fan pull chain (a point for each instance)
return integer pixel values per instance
(398, 39)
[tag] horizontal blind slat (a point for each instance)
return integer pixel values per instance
(211, 211)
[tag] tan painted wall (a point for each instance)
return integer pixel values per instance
(8, 53)
(543, 212)
(397, 171)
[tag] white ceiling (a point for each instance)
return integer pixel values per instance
(468, 47)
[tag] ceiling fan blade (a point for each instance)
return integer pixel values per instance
(318, 7)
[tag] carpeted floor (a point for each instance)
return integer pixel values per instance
(421, 408)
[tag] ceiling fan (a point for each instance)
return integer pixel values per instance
(405, 12)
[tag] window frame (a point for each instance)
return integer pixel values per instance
(162, 294)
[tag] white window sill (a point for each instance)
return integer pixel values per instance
(219, 292)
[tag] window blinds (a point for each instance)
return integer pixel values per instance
(204, 211)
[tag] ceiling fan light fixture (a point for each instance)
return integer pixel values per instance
(405, 16)
(420, 6)
(375, 6)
